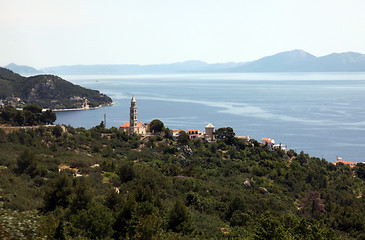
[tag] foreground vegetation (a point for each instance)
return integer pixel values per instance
(121, 186)
(30, 115)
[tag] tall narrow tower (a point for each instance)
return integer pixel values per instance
(209, 132)
(133, 117)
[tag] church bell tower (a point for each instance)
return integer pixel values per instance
(133, 117)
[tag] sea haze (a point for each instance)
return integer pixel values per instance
(322, 114)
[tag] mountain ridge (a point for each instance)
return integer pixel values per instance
(23, 70)
(289, 61)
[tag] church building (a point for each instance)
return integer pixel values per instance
(133, 126)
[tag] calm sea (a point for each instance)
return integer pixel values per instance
(322, 114)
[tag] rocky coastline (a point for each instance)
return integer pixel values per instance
(82, 108)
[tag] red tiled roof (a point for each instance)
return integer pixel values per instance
(127, 125)
(189, 130)
(345, 162)
(175, 130)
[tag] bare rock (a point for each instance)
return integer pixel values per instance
(263, 190)
(247, 183)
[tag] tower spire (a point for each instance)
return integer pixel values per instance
(133, 117)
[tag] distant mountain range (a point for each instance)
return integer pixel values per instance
(23, 70)
(290, 61)
(301, 61)
(48, 91)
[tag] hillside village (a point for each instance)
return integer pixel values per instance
(133, 126)
(143, 129)
(16, 102)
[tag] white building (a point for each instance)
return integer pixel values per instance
(244, 138)
(281, 146)
(270, 143)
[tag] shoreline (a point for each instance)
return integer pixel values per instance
(83, 108)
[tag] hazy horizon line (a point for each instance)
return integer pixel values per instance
(179, 61)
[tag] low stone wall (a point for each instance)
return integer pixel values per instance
(10, 129)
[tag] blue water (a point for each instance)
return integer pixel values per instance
(322, 114)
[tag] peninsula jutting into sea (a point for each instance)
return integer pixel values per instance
(47, 91)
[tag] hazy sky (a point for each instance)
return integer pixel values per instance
(44, 33)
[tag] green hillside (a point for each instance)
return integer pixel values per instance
(119, 186)
(48, 91)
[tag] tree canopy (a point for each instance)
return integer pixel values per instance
(226, 134)
(31, 115)
(156, 126)
(183, 138)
